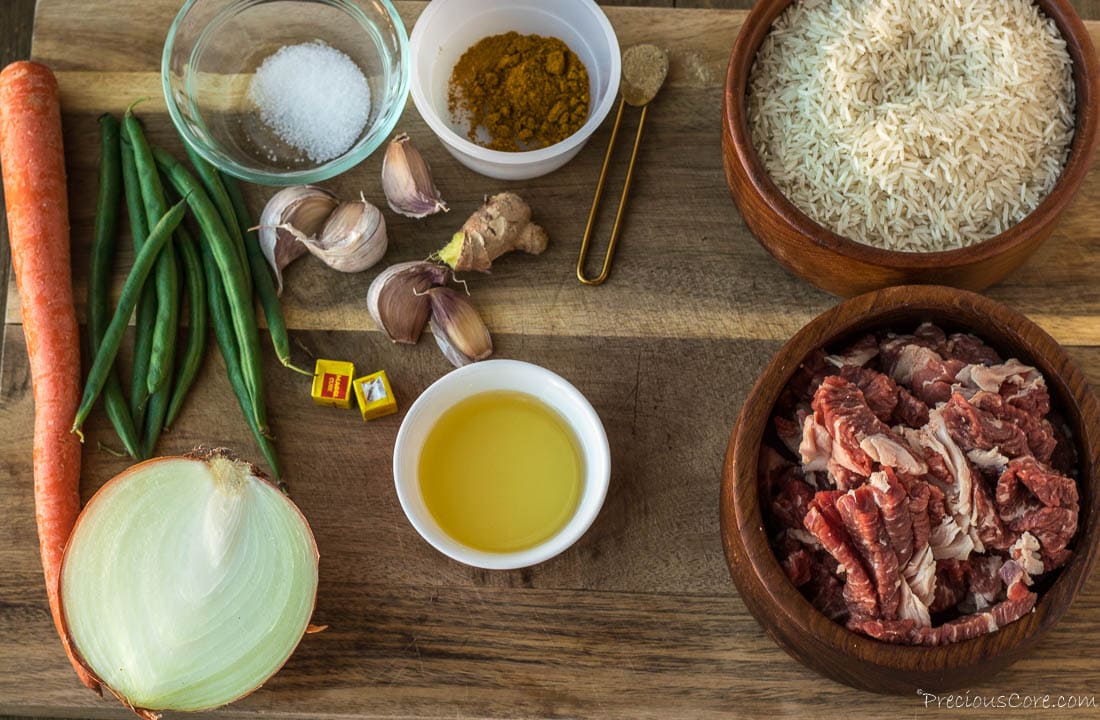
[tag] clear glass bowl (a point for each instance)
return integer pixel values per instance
(213, 50)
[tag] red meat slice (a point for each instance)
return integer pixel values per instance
(893, 502)
(964, 628)
(859, 593)
(1039, 432)
(857, 354)
(975, 429)
(868, 533)
(970, 349)
(910, 411)
(879, 391)
(792, 501)
(991, 531)
(1054, 527)
(860, 439)
(950, 584)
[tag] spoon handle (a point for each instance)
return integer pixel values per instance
(599, 194)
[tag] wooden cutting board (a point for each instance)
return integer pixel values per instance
(639, 619)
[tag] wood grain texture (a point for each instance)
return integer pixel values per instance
(810, 636)
(640, 618)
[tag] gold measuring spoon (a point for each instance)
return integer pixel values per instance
(645, 68)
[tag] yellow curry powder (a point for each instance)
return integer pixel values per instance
(526, 91)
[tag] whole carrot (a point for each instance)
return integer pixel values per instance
(33, 163)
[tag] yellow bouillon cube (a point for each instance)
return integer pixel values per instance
(332, 383)
(375, 396)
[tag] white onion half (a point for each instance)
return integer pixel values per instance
(188, 582)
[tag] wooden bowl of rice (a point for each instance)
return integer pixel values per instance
(787, 615)
(928, 207)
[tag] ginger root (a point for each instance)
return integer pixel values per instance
(501, 225)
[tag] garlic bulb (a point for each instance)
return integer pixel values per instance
(459, 330)
(352, 239)
(398, 299)
(291, 215)
(407, 181)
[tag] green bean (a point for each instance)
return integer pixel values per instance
(99, 275)
(196, 331)
(212, 180)
(112, 337)
(147, 305)
(227, 343)
(261, 277)
(154, 420)
(232, 274)
(167, 278)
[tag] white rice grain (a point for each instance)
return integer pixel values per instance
(920, 125)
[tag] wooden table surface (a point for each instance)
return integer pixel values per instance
(639, 619)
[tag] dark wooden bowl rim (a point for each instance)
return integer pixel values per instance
(749, 555)
(1086, 74)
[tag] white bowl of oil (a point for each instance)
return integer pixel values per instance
(501, 464)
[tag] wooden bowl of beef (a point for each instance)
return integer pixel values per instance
(857, 172)
(909, 498)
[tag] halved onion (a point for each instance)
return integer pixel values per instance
(188, 582)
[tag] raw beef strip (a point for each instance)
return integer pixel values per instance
(1053, 527)
(918, 514)
(770, 465)
(935, 381)
(974, 428)
(792, 499)
(857, 354)
(789, 433)
(1026, 481)
(910, 411)
(1054, 559)
(950, 584)
(991, 530)
(859, 438)
(892, 345)
(880, 392)
(1038, 432)
(964, 628)
(865, 527)
(970, 349)
(844, 478)
(809, 375)
(985, 581)
(825, 589)
(795, 561)
(815, 446)
(893, 502)
(859, 592)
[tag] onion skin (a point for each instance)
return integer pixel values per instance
(204, 455)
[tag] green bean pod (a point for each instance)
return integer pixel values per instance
(147, 305)
(227, 343)
(112, 336)
(232, 273)
(99, 275)
(262, 281)
(166, 327)
(216, 189)
(196, 330)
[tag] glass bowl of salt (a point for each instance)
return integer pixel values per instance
(285, 92)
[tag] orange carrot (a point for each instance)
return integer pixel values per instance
(33, 165)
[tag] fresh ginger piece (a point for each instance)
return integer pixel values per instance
(501, 225)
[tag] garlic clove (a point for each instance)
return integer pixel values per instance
(353, 238)
(407, 181)
(398, 299)
(459, 330)
(290, 216)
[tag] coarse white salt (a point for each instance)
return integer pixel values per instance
(314, 97)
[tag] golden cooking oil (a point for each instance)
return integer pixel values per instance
(501, 471)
